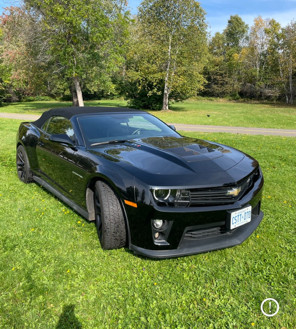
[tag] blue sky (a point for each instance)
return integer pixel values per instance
(219, 11)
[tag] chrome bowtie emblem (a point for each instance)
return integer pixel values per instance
(234, 192)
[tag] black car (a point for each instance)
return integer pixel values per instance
(145, 186)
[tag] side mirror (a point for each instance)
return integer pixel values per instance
(62, 138)
(172, 127)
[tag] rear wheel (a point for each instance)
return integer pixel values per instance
(22, 164)
(109, 218)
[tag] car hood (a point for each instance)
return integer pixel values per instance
(178, 160)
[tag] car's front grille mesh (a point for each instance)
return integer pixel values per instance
(222, 195)
(205, 233)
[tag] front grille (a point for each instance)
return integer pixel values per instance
(210, 196)
(205, 233)
(222, 195)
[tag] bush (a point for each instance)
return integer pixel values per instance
(37, 98)
(146, 96)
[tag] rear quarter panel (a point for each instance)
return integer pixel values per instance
(28, 136)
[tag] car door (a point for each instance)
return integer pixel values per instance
(58, 162)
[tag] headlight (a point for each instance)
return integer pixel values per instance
(161, 195)
(177, 198)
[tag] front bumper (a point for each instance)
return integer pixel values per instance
(190, 247)
(192, 230)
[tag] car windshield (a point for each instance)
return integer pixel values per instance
(100, 128)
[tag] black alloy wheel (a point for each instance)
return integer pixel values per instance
(23, 167)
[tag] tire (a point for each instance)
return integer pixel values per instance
(22, 165)
(110, 220)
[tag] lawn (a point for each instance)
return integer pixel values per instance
(38, 107)
(54, 274)
(236, 114)
(200, 111)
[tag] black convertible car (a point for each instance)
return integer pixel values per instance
(145, 186)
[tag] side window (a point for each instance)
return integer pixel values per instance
(60, 125)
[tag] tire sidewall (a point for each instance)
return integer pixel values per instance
(112, 233)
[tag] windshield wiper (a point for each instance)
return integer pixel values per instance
(110, 142)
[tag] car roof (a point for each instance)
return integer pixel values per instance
(69, 112)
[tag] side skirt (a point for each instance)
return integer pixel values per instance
(61, 196)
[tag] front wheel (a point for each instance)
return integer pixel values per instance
(22, 164)
(110, 221)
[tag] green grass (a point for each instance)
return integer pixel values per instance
(39, 107)
(201, 111)
(225, 113)
(53, 273)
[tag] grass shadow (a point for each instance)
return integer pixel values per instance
(177, 108)
(111, 103)
(68, 319)
(46, 105)
(36, 106)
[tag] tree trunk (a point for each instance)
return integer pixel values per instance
(166, 91)
(74, 96)
(78, 100)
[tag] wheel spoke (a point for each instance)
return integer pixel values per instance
(20, 157)
(98, 211)
(20, 165)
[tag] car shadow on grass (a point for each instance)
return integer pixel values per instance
(68, 319)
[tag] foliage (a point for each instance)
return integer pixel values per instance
(258, 65)
(65, 45)
(224, 69)
(23, 76)
(236, 33)
(167, 52)
(55, 275)
(65, 49)
(218, 81)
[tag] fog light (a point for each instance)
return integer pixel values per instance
(156, 235)
(157, 223)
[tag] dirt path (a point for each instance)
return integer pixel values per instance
(25, 117)
(186, 127)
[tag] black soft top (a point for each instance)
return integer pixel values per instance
(69, 112)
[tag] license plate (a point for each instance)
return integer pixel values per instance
(240, 217)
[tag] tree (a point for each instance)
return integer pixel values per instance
(281, 58)
(258, 43)
(20, 44)
(289, 59)
(274, 63)
(236, 33)
(171, 46)
(216, 70)
(254, 57)
(84, 39)
(224, 69)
